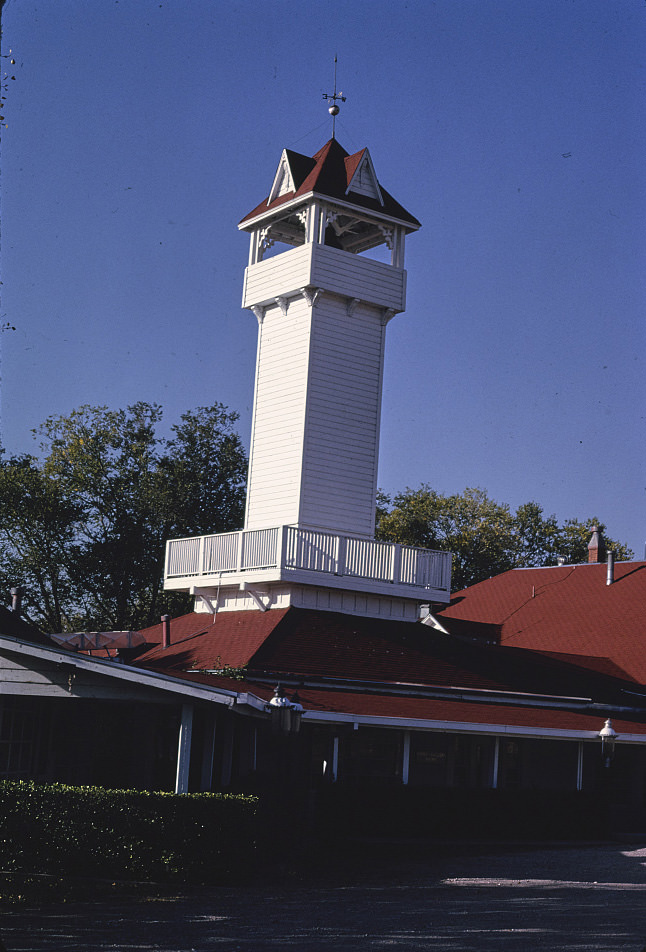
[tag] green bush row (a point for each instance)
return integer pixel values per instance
(60, 830)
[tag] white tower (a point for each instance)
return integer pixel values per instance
(322, 310)
(322, 307)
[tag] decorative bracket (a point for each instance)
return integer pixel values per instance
(310, 294)
(282, 304)
(352, 305)
(387, 315)
(210, 603)
(259, 311)
(388, 234)
(245, 587)
(266, 241)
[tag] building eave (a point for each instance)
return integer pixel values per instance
(278, 210)
(122, 672)
(463, 727)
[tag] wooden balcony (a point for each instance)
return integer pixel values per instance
(306, 556)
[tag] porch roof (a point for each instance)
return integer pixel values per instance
(456, 715)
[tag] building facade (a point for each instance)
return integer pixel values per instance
(461, 720)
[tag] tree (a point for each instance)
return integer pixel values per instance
(37, 538)
(124, 491)
(485, 537)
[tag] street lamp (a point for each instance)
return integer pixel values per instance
(608, 737)
(285, 714)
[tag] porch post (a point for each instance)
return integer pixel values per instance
(184, 749)
(227, 751)
(335, 758)
(579, 766)
(208, 751)
(406, 757)
(496, 758)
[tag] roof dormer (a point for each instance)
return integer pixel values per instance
(363, 180)
(283, 180)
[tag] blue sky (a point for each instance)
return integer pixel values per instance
(138, 133)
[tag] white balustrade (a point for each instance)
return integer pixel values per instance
(291, 548)
(221, 552)
(259, 549)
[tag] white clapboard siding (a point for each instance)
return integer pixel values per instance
(315, 434)
(37, 677)
(342, 424)
(314, 265)
(358, 277)
(276, 453)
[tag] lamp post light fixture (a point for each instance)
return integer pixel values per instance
(608, 737)
(285, 714)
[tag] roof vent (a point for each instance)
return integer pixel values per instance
(165, 620)
(16, 600)
(610, 577)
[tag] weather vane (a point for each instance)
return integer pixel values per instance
(334, 109)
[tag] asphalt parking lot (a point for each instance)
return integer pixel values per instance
(453, 899)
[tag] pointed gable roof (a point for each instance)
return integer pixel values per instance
(362, 176)
(292, 169)
(332, 173)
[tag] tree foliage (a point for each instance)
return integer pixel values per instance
(84, 528)
(485, 537)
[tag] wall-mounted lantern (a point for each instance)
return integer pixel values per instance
(285, 713)
(608, 736)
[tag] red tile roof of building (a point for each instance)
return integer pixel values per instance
(311, 644)
(329, 173)
(565, 610)
(452, 711)
(316, 651)
(461, 712)
(201, 641)
(331, 644)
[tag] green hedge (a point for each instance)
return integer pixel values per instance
(125, 834)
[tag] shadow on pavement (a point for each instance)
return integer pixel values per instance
(583, 898)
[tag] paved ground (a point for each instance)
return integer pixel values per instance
(557, 899)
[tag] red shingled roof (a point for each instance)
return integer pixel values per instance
(303, 641)
(360, 660)
(329, 173)
(331, 644)
(565, 610)
(454, 711)
(310, 644)
(202, 641)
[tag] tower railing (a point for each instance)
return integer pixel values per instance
(292, 549)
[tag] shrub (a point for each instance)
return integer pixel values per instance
(125, 834)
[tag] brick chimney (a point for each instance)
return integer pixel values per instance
(596, 546)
